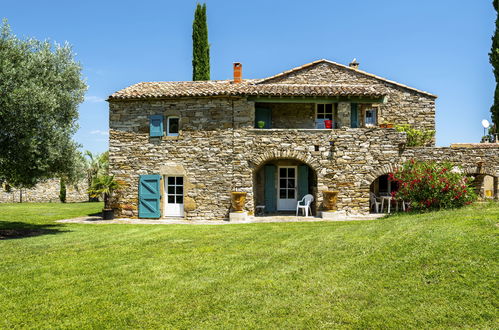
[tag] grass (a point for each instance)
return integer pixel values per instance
(435, 270)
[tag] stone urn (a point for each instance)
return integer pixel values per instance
(329, 200)
(237, 200)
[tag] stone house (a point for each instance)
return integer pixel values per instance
(182, 147)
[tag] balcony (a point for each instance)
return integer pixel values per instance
(306, 115)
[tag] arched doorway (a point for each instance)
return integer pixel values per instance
(380, 192)
(278, 185)
(485, 185)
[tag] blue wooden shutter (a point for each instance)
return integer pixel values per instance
(149, 196)
(270, 193)
(302, 181)
(354, 115)
(156, 125)
(263, 114)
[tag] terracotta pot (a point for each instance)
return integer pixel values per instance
(329, 199)
(389, 125)
(237, 200)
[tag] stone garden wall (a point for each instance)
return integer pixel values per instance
(45, 192)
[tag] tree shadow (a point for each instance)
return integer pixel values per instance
(14, 230)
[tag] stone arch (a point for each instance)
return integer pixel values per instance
(470, 170)
(270, 155)
(382, 170)
(285, 158)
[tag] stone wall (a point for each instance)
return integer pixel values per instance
(291, 115)
(218, 151)
(45, 192)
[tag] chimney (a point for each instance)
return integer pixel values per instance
(238, 72)
(354, 64)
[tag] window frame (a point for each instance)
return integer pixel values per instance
(168, 133)
(375, 110)
(325, 113)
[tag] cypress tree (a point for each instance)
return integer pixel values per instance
(494, 60)
(200, 45)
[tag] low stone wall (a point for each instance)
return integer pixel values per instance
(45, 192)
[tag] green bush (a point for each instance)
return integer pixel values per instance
(431, 185)
(416, 137)
(62, 191)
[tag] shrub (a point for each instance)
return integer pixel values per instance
(104, 185)
(62, 190)
(416, 137)
(431, 185)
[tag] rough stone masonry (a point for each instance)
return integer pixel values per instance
(219, 149)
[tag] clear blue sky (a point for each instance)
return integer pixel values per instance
(438, 46)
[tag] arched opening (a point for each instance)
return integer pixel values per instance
(380, 192)
(485, 185)
(278, 185)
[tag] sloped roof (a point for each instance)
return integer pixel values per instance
(255, 87)
(285, 73)
(169, 89)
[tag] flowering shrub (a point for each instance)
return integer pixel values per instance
(431, 185)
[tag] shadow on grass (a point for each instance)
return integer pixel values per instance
(12, 230)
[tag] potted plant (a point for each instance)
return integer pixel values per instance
(104, 186)
(261, 124)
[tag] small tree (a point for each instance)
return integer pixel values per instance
(431, 185)
(494, 60)
(200, 45)
(104, 186)
(95, 165)
(62, 190)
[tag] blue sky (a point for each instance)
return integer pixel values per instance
(438, 46)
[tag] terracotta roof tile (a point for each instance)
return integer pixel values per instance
(169, 89)
(255, 87)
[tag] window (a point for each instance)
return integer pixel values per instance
(371, 115)
(172, 126)
(324, 111)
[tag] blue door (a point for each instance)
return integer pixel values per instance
(149, 196)
(354, 115)
(270, 193)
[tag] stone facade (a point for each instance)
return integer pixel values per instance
(45, 192)
(402, 105)
(218, 150)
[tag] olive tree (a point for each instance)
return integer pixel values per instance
(41, 87)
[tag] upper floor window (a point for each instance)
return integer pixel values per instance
(371, 116)
(324, 111)
(172, 126)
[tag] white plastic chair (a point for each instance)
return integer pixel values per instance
(304, 204)
(374, 201)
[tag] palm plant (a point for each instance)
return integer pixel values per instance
(104, 186)
(96, 165)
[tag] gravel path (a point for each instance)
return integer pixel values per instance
(173, 221)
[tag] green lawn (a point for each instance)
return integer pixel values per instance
(435, 270)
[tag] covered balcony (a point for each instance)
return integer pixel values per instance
(316, 113)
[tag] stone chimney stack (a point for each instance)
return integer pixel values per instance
(354, 64)
(238, 72)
